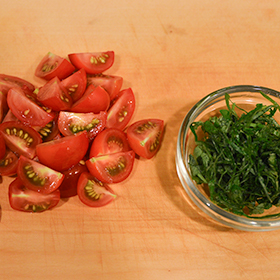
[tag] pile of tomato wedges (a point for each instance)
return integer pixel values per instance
(71, 135)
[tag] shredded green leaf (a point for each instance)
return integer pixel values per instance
(238, 158)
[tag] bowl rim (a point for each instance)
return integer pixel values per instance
(206, 205)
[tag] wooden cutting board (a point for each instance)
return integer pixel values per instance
(171, 53)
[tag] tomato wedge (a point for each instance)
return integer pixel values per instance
(3, 106)
(54, 96)
(26, 110)
(111, 168)
(8, 164)
(20, 138)
(76, 84)
(120, 113)
(109, 141)
(52, 66)
(112, 84)
(62, 153)
(37, 177)
(23, 199)
(68, 188)
(93, 192)
(93, 62)
(94, 100)
(72, 123)
(145, 137)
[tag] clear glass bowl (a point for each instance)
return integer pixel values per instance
(245, 96)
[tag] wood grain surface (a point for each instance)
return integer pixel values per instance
(171, 53)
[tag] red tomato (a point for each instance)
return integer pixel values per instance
(38, 177)
(8, 164)
(26, 110)
(3, 106)
(69, 184)
(111, 168)
(122, 110)
(92, 192)
(93, 63)
(20, 139)
(10, 117)
(94, 100)
(62, 153)
(145, 137)
(76, 84)
(112, 84)
(7, 82)
(71, 123)
(2, 146)
(52, 66)
(109, 141)
(54, 96)
(23, 199)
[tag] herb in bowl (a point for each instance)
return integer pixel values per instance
(238, 158)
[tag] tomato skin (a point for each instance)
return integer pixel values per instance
(70, 123)
(120, 113)
(145, 137)
(112, 84)
(93, 62)
(54, 96)
(23, 199)
(38, 177)
(94, 100)
(20, 138)
(8, 164)
(52, 66)
(62, 153)
(110, 140)
(2, 146)
(75, 84)
(92, 192)
(111, 168)
(68, 188)
(26, 110)
(3, 106)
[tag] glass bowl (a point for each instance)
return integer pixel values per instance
(245, 96)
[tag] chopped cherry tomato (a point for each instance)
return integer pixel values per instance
(7, 82)
(20, 138)
(38, 177)
(26, 110)
(93, 63)
(3, 106)
(94, 100)
(145, 137)
(109, 141)
(10, 117)
(8, 164)
(54, 96)
(52, 66)
(72, 123)
(112, 84)
(23, 199)
(93, 192)
(2, 146)
(62, 153)
(122, 110)
(111, 168)
(69, 184)
(76, 84)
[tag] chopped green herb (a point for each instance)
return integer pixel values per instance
(238, 158)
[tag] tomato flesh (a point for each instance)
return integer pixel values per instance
(62, 153)
(109, 141)
(111, 168)
(2, 146)
(37, 177)
(93, 192)
(52, 66)
(93, 63)
(24, 199)
(8, 164)
(3, 106)
(72, 123)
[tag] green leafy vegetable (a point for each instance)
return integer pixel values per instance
(238, 158)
